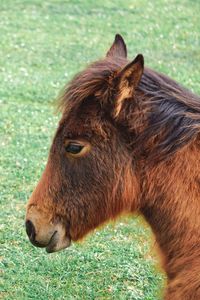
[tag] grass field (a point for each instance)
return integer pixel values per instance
(43, 43)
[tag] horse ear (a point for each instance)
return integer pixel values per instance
(128, 80)
(118, 48)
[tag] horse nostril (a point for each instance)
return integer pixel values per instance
(30, 230)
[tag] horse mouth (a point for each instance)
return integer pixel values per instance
(56, 243)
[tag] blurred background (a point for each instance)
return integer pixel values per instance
(42, 45)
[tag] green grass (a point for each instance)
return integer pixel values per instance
(43, 43)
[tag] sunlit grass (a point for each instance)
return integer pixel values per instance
(43, 44)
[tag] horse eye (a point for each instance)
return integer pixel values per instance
(74, 148)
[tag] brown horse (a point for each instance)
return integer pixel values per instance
(128, 141)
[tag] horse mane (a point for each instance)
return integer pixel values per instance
(172, 112)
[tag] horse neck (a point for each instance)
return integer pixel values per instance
(171, 206)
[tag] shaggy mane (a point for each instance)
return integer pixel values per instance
(172, 112)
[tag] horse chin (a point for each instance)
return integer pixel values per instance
(57, 243)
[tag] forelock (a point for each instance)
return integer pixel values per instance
(95, 81)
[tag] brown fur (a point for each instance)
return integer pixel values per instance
(144, 136)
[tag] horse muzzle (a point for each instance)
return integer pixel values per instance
(44, 233)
